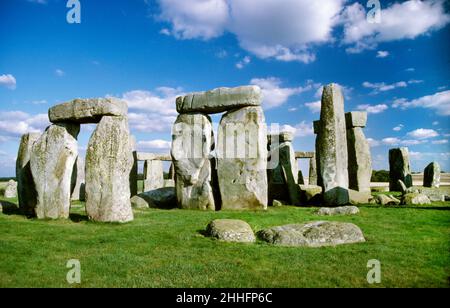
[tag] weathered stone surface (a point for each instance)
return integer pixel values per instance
(169, 183)
(242, 159)
(313, 234)
(11, 189)
(415, 199)
(434, 194)
(153, 175)
(52, 162)
(162, 198)
(359, 156)
(231, 230)
(304, 155)
(432, 175)
(109, 160)
(87, 110)
(310, 194)
(78, 192)
(192, 142)
(25, 184)
(358, 197)
(387, 200)
(342, 210)
(219, 100)
(399, 168)
(313, 171)
(134, 169)
(331, 148)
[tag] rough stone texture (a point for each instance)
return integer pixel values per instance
(87, 110)
(310, 194)
(25, 184)
(313, 171)
(52, 162)
(242, 159)
(109, 160)
(162, 198)
(359, 156)
(342, 210)
(192, 142)
(358, 197)
(78, 192)
(169, 183)
(313, 234)
(153, 175)
(219, 100)
(331, 148)
(415, 199)
(434, 194)
(399, 168)
(11, 189)
(387, 200)
(432, 175)
(134, 169)
(231, 230)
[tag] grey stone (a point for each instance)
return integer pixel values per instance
(78, 192)
(313, 234)
(342, 210)
(434, 194)
(358, 197)
(310, 193)
(161, 198)
(415, 199)
(331, 148)
(231, 230)
(356, 119)
(169, 183)
(313, 171)
(399, 168)
(134, 169)
(84, 111)
(277, 203)
(192, 142)
(25, 184)
(432, 175)
(219, 100)
(11, 189)
(387, 200)
(109, 160)
(52, 162)
(153, 175)
(242, 159)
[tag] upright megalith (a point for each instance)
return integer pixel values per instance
(359, 157)
(432, 175)
(109, 160)
(192, 142)
(78, 192)
(399, 169)
(331, 147)
(153, 175)
(11, 189)
(134, 169)
(312, 171)
(242, 159)
(52, 161)
(26, 188)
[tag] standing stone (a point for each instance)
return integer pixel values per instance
(301, 179)
(25, 183)
(359, 157)
(134, 169)
(242, 159)
(192, 142)
(399, 169)
(153, 175)
(331, 148)
(109, 160)
(432, 175)
(52, 161)
(11, 189)
(172, 172)
(78, 192)
(312, 171)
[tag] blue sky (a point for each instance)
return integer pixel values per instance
(148, 52)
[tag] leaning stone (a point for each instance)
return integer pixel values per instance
(333, 211)
(109, 160)
(219, 100)
(78, 192)
(242, 159)
(231, 230)
(85, 111)
(331, 148)
(52, 161)
(399, 168)
(11, 189)
(358, 197)
(432, 175)
(153, 175)
(313, 234)
(25, 184)
(415, 199)
(402, 186)
(162, 198)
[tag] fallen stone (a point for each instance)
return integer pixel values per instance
(162, 198)
(434, 194)
(342, 210)
(313, 234)
(11, 189)
(399, 169)
(231, 230)
(415, 199)
(387, 200)
(432, 175)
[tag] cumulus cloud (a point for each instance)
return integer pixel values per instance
(157, 144)
(439, 102)
(398, 128)
(423, 133)
(373, 109)
(314, 107)
(382, 54)
(8, 81)
(14, 124)
(442, 141)
(303, 129)
(391, 141)
(373, 142)
(383, 87)
(243, 63)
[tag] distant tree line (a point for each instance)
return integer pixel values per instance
(380, 176)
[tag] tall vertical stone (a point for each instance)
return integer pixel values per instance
(331, 147)
(399, 169)
(242, 159)
(134, 169)
(192, 142)
(153, 175)
(78, 192)
(359, 157)
(312, 171)
(109, 160)
(432, 175)
(52, 161)
(25, 184)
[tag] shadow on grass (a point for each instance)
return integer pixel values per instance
(10, 208)
(78, 217)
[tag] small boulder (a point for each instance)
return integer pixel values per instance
(415, 199)
(434, 194)
(11, 189)
(231, 230)
(161, 198)
(343, 210)
(310, 193)
(277, 203)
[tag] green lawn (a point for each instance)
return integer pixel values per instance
(167, 249)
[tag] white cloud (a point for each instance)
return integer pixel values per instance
(314, 107)
(345, 90)
(383, 87)
(293, 109)
(38, 1)
(382, 54)
(410, 70)
(8, 81)
(373, 109)
(440, 102)
(161, 101)
(413, 142)
(150, 122)
(302, 129)
(435, 123)
(16, 123)
(391, 141)
(443, 141)
(157, 144)
(244, 62)
(423, 133)
(59, 72)
(373, 142)
(398, 128)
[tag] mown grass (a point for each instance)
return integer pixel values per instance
(164, 248)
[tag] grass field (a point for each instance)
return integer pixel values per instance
(167, 249)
